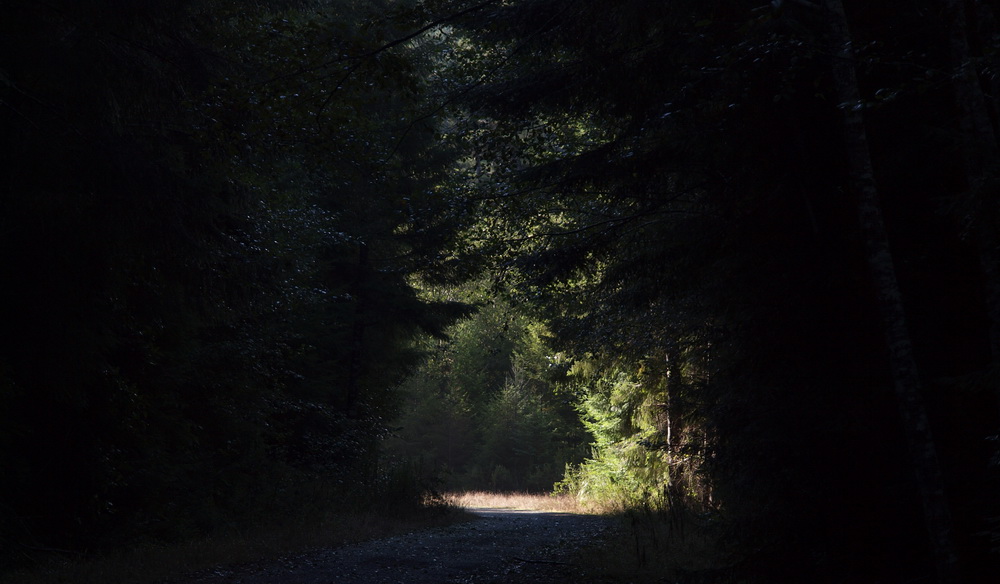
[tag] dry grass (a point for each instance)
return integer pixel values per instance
(145, 564)
(561, 503)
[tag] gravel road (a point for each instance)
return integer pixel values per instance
(500, 546)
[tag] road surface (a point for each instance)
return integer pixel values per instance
(500, 546)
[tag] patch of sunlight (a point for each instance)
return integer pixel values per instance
(561, 503)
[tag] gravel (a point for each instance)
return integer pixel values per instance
(500, 546)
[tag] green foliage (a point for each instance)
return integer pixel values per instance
(648, 448)
(518, 438)
(482, 413)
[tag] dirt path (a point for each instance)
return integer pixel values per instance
(501, 546)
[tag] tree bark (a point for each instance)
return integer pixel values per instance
(357, 331)
(981, 157)
(906, 380)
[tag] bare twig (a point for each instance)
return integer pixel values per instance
(527, 561)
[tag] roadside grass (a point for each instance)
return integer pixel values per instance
(563, 502)
(185, 561)
(650, 547)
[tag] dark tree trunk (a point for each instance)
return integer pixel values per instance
(357, 331)
(981, 156)
(913, 413)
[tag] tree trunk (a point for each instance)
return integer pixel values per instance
(913, 413)
(981, 157)
(357, 331)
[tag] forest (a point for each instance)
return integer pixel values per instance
(733, 265)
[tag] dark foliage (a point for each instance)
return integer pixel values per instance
(213, 215)
(188, 330)
(712, 208)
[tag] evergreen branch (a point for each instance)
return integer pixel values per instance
(466, 90)
(380, 49)
(431, 25)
